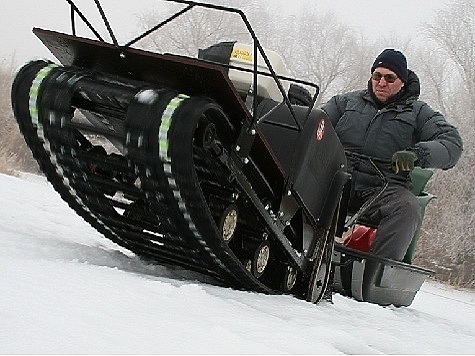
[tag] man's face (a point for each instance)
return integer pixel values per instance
(383, 88)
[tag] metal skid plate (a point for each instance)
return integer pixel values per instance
(370, 278)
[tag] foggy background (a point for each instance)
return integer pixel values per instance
(331, 43)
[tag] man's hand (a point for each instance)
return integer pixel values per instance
(403, 161)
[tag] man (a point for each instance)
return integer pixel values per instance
(388, 123)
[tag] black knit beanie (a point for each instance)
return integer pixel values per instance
(392, 60)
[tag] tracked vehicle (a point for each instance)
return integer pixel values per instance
(217, 163)
(162, 155)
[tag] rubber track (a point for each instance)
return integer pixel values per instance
(175, 226)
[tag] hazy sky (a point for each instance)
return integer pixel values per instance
(372, 18)
(379, 18)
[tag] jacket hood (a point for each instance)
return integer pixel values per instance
(412, 89)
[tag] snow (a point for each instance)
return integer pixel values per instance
(147, 96)
(64, 289)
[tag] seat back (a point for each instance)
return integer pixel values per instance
(419, 177)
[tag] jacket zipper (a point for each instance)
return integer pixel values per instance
(369, 126)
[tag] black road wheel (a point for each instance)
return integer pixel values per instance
(205, 134)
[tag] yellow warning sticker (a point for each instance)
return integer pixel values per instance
(242, 54)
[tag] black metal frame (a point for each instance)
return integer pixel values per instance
(372, 163)
(256, 44)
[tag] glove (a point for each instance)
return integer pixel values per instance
(404, 161)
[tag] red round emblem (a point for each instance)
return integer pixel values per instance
(320, 129)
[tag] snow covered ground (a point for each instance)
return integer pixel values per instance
(64, 289)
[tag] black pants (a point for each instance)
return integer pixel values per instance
(397, 214)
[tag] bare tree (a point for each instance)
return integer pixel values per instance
(454, 31)
(195, 29)
(326, 52)
(448, 67)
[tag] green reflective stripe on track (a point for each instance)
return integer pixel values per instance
(165, 126)
(35, 89)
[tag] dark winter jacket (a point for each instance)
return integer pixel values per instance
(367, 127)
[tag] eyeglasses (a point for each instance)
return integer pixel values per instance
(389, 78)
